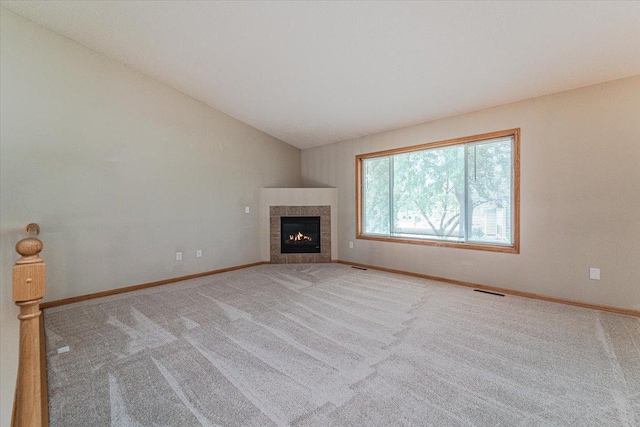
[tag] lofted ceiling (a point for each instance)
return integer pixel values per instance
(313, 73)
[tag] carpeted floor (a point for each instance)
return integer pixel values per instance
(329, 345)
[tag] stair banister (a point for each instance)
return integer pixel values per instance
(28, 291)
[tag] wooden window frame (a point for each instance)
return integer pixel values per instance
(512, 249)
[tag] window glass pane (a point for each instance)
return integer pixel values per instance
(428, 193)
(376, 195)
(490, 191)
(447, 193)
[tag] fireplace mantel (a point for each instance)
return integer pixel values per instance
(296, 197)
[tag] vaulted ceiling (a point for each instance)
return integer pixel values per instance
(313, 73)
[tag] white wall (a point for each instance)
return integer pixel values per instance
(121, 172)
(580, 196)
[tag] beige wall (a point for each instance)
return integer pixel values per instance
(121, 172)
(580, 179)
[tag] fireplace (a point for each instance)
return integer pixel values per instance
(312, 244)
(300, 235)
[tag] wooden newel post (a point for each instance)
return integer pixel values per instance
(28, 290)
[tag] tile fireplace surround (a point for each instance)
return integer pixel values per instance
(276, 212)
(299, 199)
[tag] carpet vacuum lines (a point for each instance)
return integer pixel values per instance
(328, 345)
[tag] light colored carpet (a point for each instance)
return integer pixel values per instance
(329, 345)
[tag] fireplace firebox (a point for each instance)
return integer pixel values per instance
(300, 234)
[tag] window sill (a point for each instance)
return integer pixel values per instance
(474, 246)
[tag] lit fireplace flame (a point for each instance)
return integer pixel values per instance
(299, 237)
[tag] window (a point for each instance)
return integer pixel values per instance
(458, 193)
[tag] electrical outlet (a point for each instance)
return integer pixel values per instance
(199, 253)
(351, 245)
(594, 273)
(246, 209)
(178, 256)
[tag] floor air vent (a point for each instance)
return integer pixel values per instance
(358, 268)
(488, 292)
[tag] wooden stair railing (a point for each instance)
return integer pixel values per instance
(28, 291)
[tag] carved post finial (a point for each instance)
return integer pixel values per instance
(29, 270)
(30, 247)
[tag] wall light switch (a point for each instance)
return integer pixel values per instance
(594, 273)
(246, 209)
(351, 245)
(199, 253)
(178, 256)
